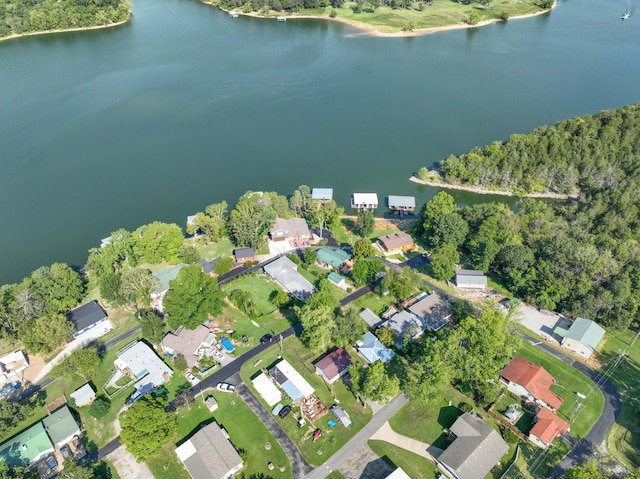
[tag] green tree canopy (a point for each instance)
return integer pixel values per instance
(153, 326)
(212, 222)
(192, 296)
(81, 362)
(374, 382)
(157, 242)
(403, 283)
(363, 249)
(45, 333)
(136, 286)
(349, 328)
(365, 269)
(147, 427)
(444, 260)
(366, 223)
(253, 215)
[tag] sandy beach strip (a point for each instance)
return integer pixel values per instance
(63, 30)
(372, 30)
(483, 191)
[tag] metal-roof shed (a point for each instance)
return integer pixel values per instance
(267, 389)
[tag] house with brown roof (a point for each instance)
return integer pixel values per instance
(396, 243)
(290, 229)
(547, 426)
(476, 449)
(189, 343)
(531, 382)
(209, 454)
(334, 365)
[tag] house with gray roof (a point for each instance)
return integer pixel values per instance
(209, 454)
(404, 203)
(189, 343)
(285, 272)
(433, 310)
(290, 229)
(372, 350)
(242, 255)
(582, 337)
(371, 318)
(207, 266)
(87, 317)
(476, 449)
(470, 279)
(84, 395)
(404, 324)
(139, 361)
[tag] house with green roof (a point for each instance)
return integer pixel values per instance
(334, 258)
(26, 448)
(582, 337)
(61, 426)
(337, 280)
(164, 277)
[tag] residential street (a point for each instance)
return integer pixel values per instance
(336, 461)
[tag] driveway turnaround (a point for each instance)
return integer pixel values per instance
(299, 467)
(386, 434)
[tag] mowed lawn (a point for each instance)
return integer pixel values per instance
(580, 413)
(246, 432)
(624, 438)
(415, 466)
(302, 359)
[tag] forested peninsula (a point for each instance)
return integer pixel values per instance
(580, 257)
(28, 17)
(392, 17)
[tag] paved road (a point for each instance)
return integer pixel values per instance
(121, 337)
(584, 448)
(368, 288)
(299, 467)
(345, 453)
(229, 370)
(237, 272)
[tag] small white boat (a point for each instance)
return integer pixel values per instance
(281, 18)
(233, 14)
(625, 16)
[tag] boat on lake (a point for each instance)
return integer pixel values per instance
(234, 14)
(281, 18)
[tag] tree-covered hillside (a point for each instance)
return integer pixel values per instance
(579, 257)
(589, 152)
(28, 16)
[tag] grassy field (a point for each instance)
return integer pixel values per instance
(415, 466)
(437, 14)
(247, 434)
(426, 422)
(211, 251)
(569, 382)
(536, 463)
(332, 438)
(624, 438)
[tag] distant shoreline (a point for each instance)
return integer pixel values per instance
(484, 191)
(63, 30)
(371, 30)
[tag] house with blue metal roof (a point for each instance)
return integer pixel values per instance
(372, 350)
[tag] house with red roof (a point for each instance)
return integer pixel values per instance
(547, 426)
(334, 365)
(531, 382)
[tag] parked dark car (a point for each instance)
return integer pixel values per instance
(267, 338)
(284, 411)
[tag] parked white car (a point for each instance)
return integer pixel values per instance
(225, 387)
(192, 379)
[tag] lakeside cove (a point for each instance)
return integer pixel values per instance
(484, 191)
(399, 22)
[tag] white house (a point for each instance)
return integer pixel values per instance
(138, 360)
